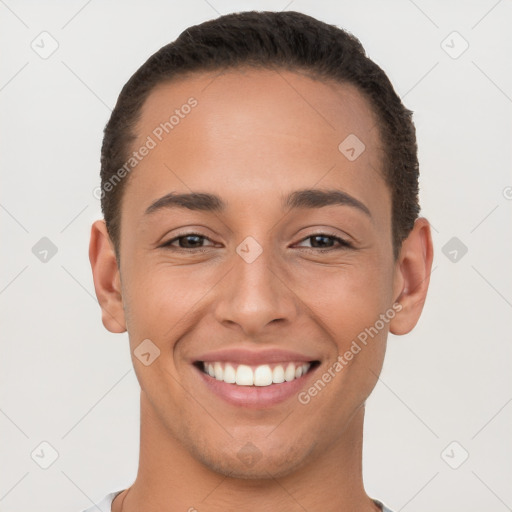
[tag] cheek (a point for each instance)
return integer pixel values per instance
(348, 304)
(163, 301)
(346, 299)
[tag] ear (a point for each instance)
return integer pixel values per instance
(107, 281)
(412, 277)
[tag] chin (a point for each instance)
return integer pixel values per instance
(251, 463)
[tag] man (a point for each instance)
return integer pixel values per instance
(260, 239)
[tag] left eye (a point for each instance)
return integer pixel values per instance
(322, 239)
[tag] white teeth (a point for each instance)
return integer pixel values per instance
(289, 373)
(229, 374)
(219, 372)
(262, 375)
(278, 375)
(244, 375)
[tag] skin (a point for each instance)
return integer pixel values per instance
(254, 136)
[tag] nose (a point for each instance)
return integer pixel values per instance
(254, 295)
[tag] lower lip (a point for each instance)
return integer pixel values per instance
(255, 396)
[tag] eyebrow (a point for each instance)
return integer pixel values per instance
(305, 198)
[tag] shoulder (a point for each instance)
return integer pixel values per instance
(382, 506)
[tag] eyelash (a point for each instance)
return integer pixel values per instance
(343, 244)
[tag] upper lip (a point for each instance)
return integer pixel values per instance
(254, 357)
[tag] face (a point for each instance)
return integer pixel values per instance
(257, 277)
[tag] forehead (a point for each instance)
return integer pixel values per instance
(264, 102)
(254, 131)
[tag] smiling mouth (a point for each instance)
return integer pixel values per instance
(259, 375)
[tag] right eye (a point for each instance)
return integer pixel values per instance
(191, 242)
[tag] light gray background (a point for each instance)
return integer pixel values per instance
(69, 382)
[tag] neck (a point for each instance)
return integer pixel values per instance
(169, 477)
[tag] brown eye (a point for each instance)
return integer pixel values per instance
(322, 241)
(186, 241)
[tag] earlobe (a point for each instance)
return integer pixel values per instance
(412, 277)
(106, 277)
